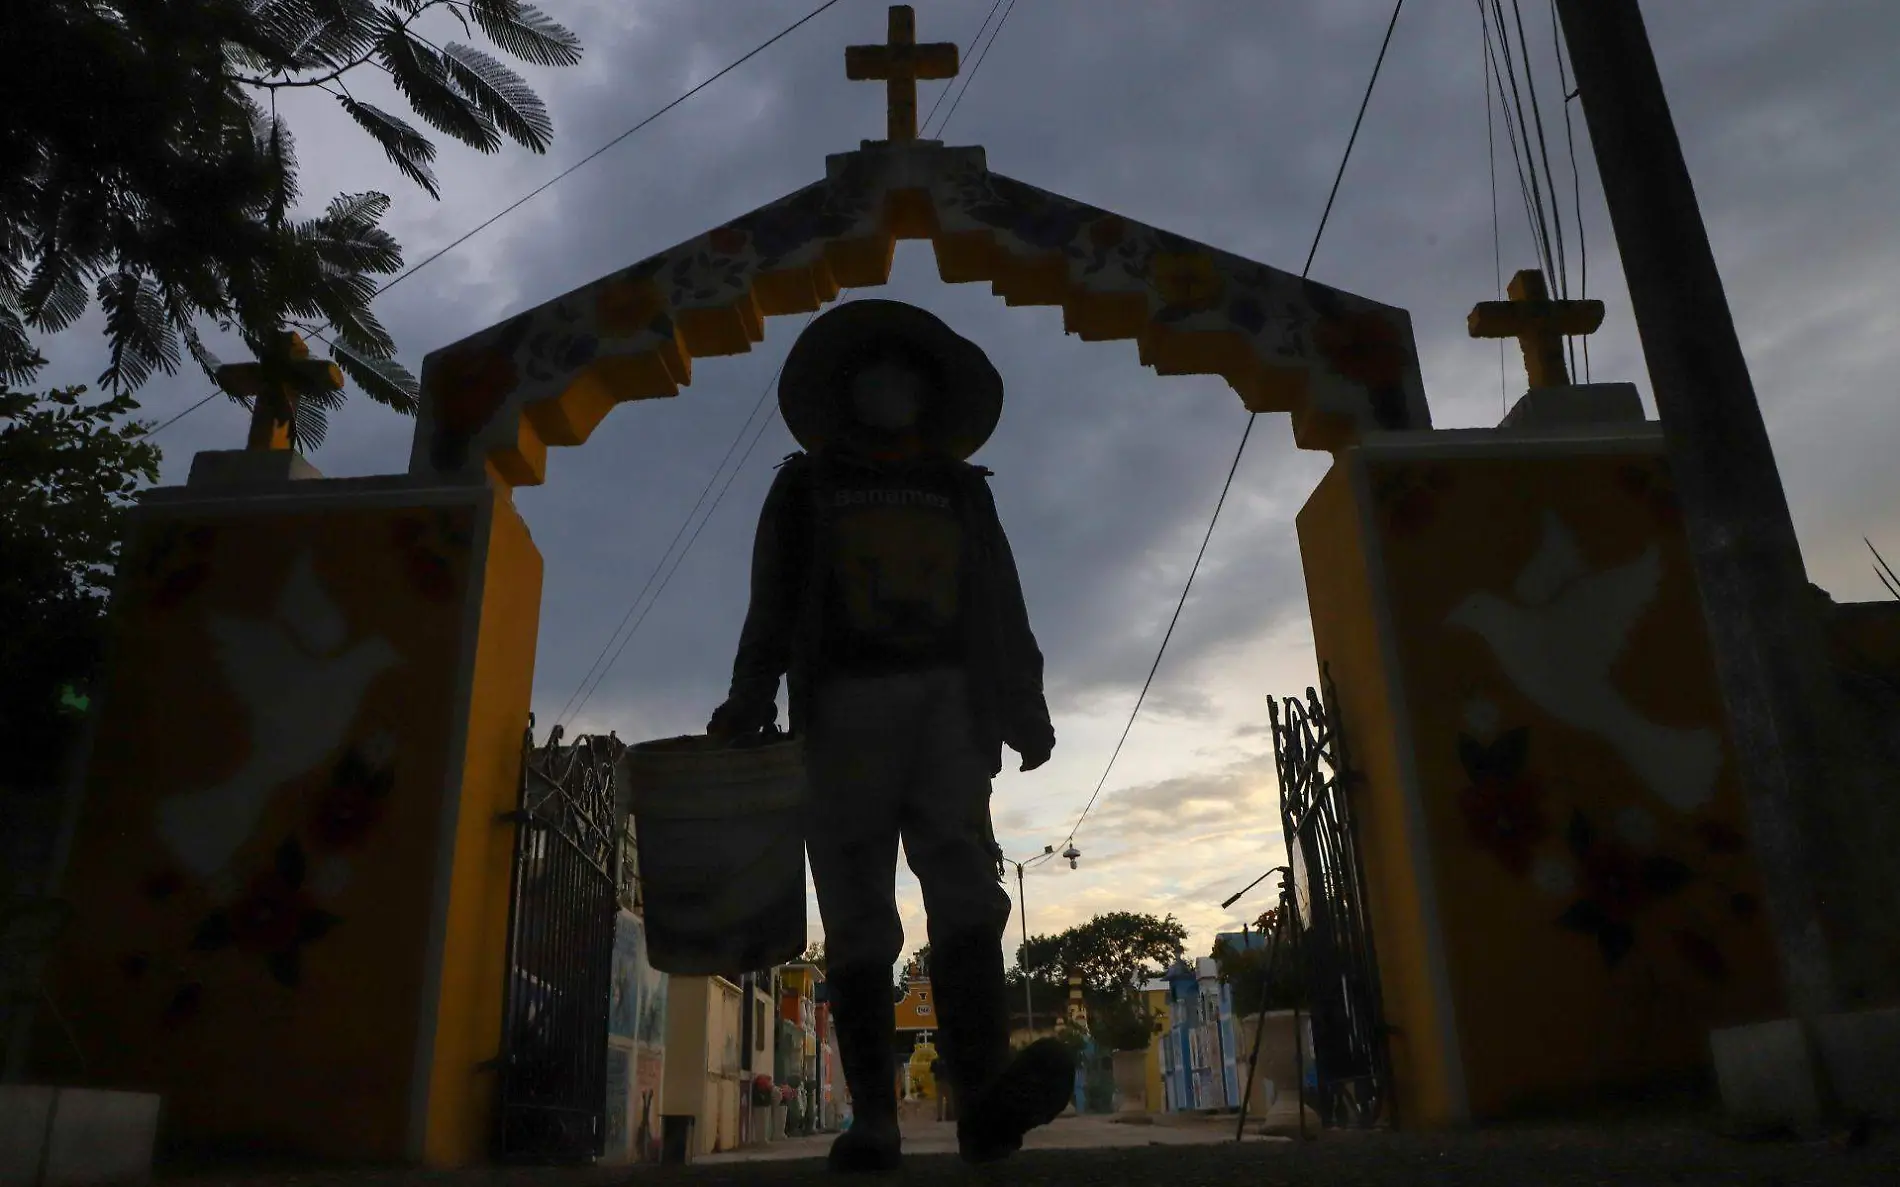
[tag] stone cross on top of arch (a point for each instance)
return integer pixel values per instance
(274, 384)
(1539, 324)
(899, 64)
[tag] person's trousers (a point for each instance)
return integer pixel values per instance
(894, 757)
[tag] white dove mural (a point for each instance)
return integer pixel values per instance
(1558, 641)
(301, 688)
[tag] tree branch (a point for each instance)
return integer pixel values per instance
(267, 84)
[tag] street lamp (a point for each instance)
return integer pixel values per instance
(1022, 906)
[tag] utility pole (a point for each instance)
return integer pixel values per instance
(1763, 617)
(1022, 908)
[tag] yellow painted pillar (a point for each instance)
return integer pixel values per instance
(289, 872)
(1156, 1001)
(1554, 838)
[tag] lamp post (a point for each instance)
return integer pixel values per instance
(1022, 907)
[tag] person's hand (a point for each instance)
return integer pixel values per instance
(1037, 754)
(739, 717)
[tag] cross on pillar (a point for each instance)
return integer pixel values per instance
(273, 384)
(899, 64)
(1539, 324)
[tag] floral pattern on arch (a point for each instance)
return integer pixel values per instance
(278, 912)
(639, 327)
(1613, 867)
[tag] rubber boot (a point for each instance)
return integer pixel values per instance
(998, 1099)
(866, 1022)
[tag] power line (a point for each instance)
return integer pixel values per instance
(681, 558)
(545, 186)
(563, 716)
(1576, 181)
(977, 65)
(947, 87)
(1491, 158)
(537, 191)
(1241, 449)
(1540, 238)
(598, 673)
(1562, 278)
(1524, 129)
(182, 415)
(1550, 174)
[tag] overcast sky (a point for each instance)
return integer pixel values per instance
(1219, 119)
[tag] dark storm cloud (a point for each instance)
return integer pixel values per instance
(1219, 120)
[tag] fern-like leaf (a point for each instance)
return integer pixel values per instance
(383, 380)
(526, 32)
(141, 338)
(345, 30)
(344, 302)
(310, 428)
(180, 310)
(407, 149)
(19, 361)
(420, 75)
(280, 149)
(54, 297)
(500, 94)
(357, 211)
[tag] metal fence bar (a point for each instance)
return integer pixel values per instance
(1334, 925)
(564, 896)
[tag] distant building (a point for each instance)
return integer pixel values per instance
(704, 1077)
(1154, 998)
(1197, 1055)
(916, 1019)
(802, 1015)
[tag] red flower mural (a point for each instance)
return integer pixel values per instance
(1617, 886)
(627, 306)
(727, 241)
(1408, 497)
(1502, 805)
(1186, 282)
(431, 575)
(161, 885)
(430, 571)
(1651, 486)
(1614, 881)
(184, 1006)
(467, 387)
(352, 804)
(1701, 955)
(178, 564)
(275, 918)
(1363, 347)
(1107, 231)
(1718, 836)
(269, 918)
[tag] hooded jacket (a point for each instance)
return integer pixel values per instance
(783, 632)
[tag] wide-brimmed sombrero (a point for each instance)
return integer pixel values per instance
(811, 389)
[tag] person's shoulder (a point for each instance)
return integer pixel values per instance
(794, 469)
(969, 471)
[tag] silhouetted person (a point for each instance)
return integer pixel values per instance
(884, 590)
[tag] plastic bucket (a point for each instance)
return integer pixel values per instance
(721, 834)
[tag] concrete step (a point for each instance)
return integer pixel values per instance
(75, 1137)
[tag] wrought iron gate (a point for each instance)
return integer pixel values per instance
(1335, 932)
(564, 894)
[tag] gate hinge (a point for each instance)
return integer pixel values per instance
(489, 1065)
(518, 816)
